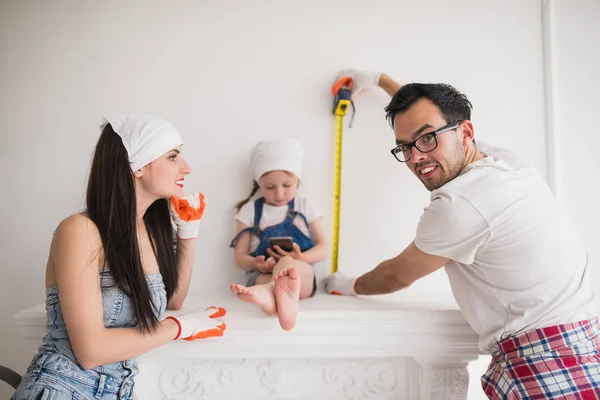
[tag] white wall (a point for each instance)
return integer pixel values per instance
(576, 89)
(228, 75)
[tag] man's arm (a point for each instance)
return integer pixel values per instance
(399, 272)
(365, 80)
(389, 276)
(388, 84)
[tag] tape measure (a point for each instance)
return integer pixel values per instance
(342, 91)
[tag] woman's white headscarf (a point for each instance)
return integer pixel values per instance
(144, 136)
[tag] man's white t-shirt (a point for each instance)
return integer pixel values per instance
(517, 261)
(273, 215)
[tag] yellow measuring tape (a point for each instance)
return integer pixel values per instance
(342, 101)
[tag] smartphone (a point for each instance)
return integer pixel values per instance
(284, 242)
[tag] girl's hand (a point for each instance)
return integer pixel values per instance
(264, 266)
(295, 253)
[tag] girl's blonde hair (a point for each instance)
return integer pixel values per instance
(255, 188)
(241, 204)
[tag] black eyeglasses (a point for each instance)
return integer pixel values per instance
(425, 143)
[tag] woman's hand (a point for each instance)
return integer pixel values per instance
(200, 324)
(186, 213)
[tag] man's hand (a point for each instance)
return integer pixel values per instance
(265, 266)
(295, 253)
(339, 284)
(361, 80)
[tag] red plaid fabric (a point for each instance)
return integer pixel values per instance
(557, 362)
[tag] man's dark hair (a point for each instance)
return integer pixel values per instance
(453, 105)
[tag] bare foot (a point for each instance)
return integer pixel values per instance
(259, 294)
(287, 295)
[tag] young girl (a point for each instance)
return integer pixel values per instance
(112, 270)
(277, 279)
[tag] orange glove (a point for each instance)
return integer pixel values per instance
(339, 284)
(200, 324)
(186, 213)
(361, 80)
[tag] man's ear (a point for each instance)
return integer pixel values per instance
(468, 132)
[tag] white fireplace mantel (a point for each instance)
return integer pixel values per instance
(383, 347)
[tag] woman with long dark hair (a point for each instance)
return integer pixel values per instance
(112, 269)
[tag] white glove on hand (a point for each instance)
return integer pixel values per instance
(361, 80)
(186, 213)
(200, 324)
(341, 285)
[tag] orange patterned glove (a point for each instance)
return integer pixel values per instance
(200, 324)
(361, 80)
(186, 213)
(339, 284)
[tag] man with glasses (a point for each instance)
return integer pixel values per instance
(516, 265)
